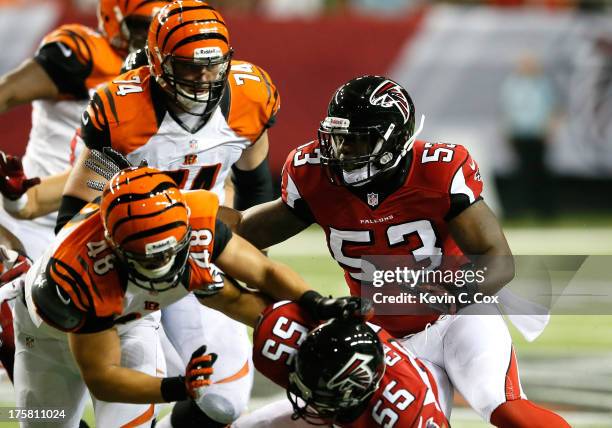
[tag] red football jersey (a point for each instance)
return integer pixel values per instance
(442, 180)
(406, 397)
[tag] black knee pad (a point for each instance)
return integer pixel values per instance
(187, 414)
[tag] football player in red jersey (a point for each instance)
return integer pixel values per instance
(377, 191)
(347, 373)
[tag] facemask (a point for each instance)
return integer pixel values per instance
(359, 174)
(154, 273)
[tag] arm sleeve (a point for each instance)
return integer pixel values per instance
(223, 234)
(95, 128)
(252, 187)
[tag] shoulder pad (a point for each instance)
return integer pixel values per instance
(254, 100)
(437, 163)
(74, 38)
(55, 306)
(202, 204)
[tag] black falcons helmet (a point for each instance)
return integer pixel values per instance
(337, 368)
(368, 129)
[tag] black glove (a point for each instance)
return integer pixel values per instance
(198, 371)
(324, 308)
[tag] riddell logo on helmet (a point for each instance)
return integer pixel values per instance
(355, 373)
(159, 246)
(210, 52)
(336, 123)
(389, 94)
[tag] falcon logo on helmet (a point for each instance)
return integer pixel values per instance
(389, 94)
(356, 373)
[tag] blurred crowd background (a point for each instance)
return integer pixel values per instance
(525, 84)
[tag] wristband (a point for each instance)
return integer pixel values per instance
(173, 389)
(15, 206)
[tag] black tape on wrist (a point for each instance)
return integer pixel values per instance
(173, 389)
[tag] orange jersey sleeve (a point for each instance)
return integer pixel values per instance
(254, 100)
(77, 59)
(204, 278)
(121, 114)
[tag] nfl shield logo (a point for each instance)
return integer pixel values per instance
(193, 144)
(372, 199)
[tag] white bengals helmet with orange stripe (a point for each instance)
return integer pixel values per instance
(146, 222)
(189, 54)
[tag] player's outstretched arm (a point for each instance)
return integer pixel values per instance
(238, 303)
(478, 233)
(98, 356)
(26, 83)
(268, 224)
(46, 197)
(242, 261)
(39, 200)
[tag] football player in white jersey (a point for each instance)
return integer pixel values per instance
(196, 113)
(70, 63)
